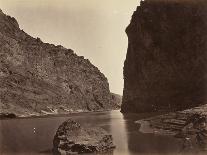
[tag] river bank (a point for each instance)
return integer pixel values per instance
(4, 116)
(169, 123)
(184, 125)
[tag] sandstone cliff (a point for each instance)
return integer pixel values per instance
(37, 77)
(166, 62)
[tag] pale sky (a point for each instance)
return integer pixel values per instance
(94, 29)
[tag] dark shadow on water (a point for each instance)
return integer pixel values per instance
(147, 143)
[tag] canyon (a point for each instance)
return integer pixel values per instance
(38, 78)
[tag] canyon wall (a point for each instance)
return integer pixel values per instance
(166, 63)
(37, 77)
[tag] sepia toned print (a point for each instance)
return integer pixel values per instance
(103, 78)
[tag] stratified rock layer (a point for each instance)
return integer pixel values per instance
(72, 138)
(37, 77)
(190, 125)
(166, 62)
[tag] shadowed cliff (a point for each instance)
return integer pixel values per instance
(37, 77)
(166, 63)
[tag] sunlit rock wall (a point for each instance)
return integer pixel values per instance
(38, 77)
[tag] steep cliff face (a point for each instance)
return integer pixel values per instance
(166, 62)
(39, 77)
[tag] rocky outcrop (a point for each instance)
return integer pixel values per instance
(165, 67)
(116, 100)
(190, 125)
(40, 78)
(71, 138)
(7, 115)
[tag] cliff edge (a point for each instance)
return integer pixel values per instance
(166, 63)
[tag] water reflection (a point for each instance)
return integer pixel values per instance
(17, 137)
(139, 143)
(35, 135)
(118, 130)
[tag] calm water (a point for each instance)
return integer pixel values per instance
(17, 136)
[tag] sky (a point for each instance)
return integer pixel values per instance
(94, 29)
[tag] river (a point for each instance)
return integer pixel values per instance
(33, 136)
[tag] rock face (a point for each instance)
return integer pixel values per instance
(116, 99)
(40, 77)
(71, 138)
(166, 62)
(190, 125)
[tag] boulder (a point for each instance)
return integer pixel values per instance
(71, 138)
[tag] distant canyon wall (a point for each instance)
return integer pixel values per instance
(166, 63)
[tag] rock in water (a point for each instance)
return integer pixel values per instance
(166, 62)
(71, 138)
(37, 77)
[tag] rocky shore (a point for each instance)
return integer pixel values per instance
(190, 125)
(10, 115)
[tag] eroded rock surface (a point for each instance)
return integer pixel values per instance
(166, 63)
(190, 125)
(41, 78)
(71, 138)
(116, 100)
